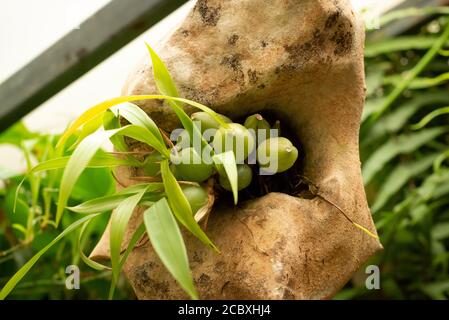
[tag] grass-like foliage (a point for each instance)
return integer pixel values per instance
(167, 204)
(404, 148)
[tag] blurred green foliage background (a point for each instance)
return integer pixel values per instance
(27, 230)
(404, 151)
(404, 145)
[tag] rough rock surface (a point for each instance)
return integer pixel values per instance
(302, 60)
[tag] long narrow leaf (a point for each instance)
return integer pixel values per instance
(86, 150)
(413, 73)
(168, 243)
(27, 266)
(79, 160)
(91, 263)
(399, 177)
(432, 184)
(119, 223)
(105, 105)
(88, 128)
(162, 77)
(395, 120)
(140, 231)
(166, 85)
(111, 122)
(137, 116)
(401, 145)
(227, 161)
(108, 203)
(105, 160)
(180, 205)
(144, 135)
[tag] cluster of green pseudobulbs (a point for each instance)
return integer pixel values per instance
(255, 137)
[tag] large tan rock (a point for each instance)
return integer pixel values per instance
(303, 61)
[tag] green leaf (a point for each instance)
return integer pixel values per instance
(102, 204)
(437, 290)
(144, 135)
(442, 191)
(27, 266)
(440, 231)
(19, 214)
(79, 160)
(105, 105)
(88, 128)
(395, 120)
(35, 181)
(119, 222)
(91, 263)
(108, 203)
(111, 122)
(93, 183)
(402, 144)
(86, 150)
(391, 123)
(226, 161)
(140, 231)
(167, 241)
(166, 86)
(434, 186)
(192, 130)
(399, 177)
(102, 160)
(410, 75)
(180, 205)
(99, 160)
(137, 116)
(162, 77)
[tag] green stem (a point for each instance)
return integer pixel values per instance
(412, 74)
(424, 121)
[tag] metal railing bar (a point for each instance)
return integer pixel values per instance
(101, 35)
